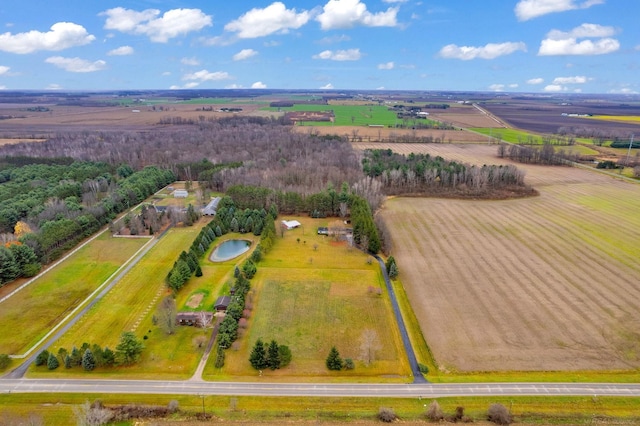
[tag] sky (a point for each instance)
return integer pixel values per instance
(532, 46)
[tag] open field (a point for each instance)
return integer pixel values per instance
(545, 283)
(373, 134)
(464, 116)
(311, 295)
(130, 306)
(619, 118)
(348, 115)
(45, 302)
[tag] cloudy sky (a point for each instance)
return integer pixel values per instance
(588, 46)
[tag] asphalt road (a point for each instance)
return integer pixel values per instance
(425, 390)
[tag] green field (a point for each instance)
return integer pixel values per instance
(348, 115)
(37, 308)
(313, 294)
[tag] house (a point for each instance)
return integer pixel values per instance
(194, 318)
(210, 209)
(180, 193)
(291, 224)
(222, 303)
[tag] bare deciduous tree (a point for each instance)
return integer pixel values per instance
(167, 315)
(369, 345)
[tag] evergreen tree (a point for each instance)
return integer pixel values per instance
(42, 357)
(198, 271)
(273, 355)
(108, 357)
(258, 357)
(88, 361)
(129, 348)
(52, 362)
(285, 355)
(393, 271)
(67, 361)
(249, 269)
(334, 361)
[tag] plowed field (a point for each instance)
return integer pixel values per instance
(544, 283)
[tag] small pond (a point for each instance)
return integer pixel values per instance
(229, 249)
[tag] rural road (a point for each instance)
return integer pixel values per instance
(425, 390)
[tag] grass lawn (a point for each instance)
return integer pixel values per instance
(130, 306)
(509, 135)
(310, 295)
(57, 409)
(45, 302)
(348, 115)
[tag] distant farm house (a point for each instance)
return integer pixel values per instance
(290, 224)
(301, 116)
(180, 193)
(210, 209)
(194, 319)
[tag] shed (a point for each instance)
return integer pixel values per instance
(222, 303)
(290, 224)
(180, 193)
(210, 209)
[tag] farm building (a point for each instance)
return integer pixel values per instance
(180, 193)
(193, 318)
(222, 303)
(291, 224)
(323, 230)
(210, 209)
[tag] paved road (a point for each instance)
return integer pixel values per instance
(425, 390)
(413, 362)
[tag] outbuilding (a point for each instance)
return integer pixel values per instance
(222, 303)
(291, 224)
(180, 193)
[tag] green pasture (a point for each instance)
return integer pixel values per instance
(43, 304)
(219, 101)
(311, 293)
(509, 135)
(58, 409)
(348, 115)
(130, 306)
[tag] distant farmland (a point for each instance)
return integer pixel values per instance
(349, 115)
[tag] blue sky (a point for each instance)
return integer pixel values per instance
(588, 46)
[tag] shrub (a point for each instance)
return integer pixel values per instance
(173, 406)
(423, 368)
(434, 412)
(386, 415)
(499, 414)
(348, 364)
(4, 361)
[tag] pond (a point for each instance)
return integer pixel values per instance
(229, 249)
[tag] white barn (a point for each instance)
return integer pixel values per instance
(180, 193)
(290, 224)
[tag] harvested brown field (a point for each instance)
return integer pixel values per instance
(464, 116)
(373, 134)
(544, 283)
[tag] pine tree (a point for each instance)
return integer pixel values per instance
(258, 357)
(393, 271)
(273, 355)
(67, 361)
(52, 362)
(88, 360)
(334, 361)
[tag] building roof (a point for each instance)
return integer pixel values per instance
(222, 302)
(210, 209)
(290, 224)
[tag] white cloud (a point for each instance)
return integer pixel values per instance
(339, 55)
(53, 86)
(216, 41)
(275, 18)
(623, 91)
(489, 51)
(121, 51)
(578, 79)
(190, 61)
(166, 73)
(513, 86)
(204, 75)
(567, 43)
(4, 69)
(3, 87)
(555, 88)
(386, 66)
(160, 29)
(62, 35)
(233, 86)
(76, 64)
(349, 13)
(334, 39)
(327, 86)
(529, 9)
(189, 85)
(497, 87)
(244, 54)
(537, 80)
(258, 85)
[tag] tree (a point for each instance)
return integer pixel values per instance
(369, 345)
(273, 355)
(167, 315)
(92, 414)
(334, 361)
(393, 271)
(52, 362)
(499, 414)
(9, 268)
(5, 360)
(129, 349)
(386, 415)
(42, 358)
(349, 364)
(258, 357)
(88, 360)
(108, 357)
(285, 355)
(434, 412)
(249, 269)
